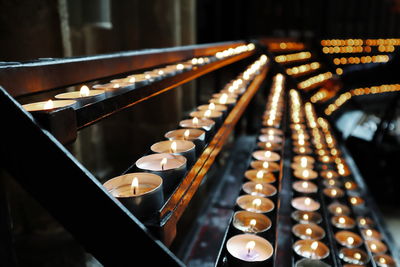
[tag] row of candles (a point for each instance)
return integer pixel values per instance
(358, 42)
(344, 97)
(315, 80)
(337, 187)
(303, 69)
(288, 58)
(143, 192)
(356, 49)
(253, 243)
(361, 60)
(98, 92)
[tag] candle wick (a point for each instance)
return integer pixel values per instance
(134, 190)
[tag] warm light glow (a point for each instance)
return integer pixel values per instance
(305, 217)
(363, 222)
(173, 147)
(253, 222)
(350, 240)
(369, 232)
(186, 134)
(223, 99)
(342, 220)
(306, 173)
(256, 203)
(135, 185)
(249, 246)
(211, 106)
(339, 210)
(302, 149)
(260, 174)
(265, 165)
(353, 200)
(307, 201)
(357, 256)
(304, 184)
(329, 174)
(373, 247)
(267, 154)
(163, 163)
(132, 80)
(333, 192)
(84, 91)
(48, 105)
(314, 245)
(259, 187)
(308, 231)
(382, 260)
(195, 121)
(179, 67)
(268, 144)
(207, 113)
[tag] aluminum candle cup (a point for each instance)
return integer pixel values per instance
(305, 204)
(220, 108)
(197, 136)
(308, 231)
(49, 105)
(259, 189)
(348, 239)
(343, 222)
(271, 131)
(311, 249)
(332, 183)
(356, 200)
(269, 146)
(255, 204)
(141, 193)
(305, 187)
(354, 256)
(305, 174)
(181, 147)
(273, 139)
(365, 222)
(208, 114)
(260, 176)
(268, 166)
(266, 155)
(371, 234)
(350, 186)
(302, 150)
(84, 96)
(307, 159)
(248, 249)
(170, 167)
(338, 209)
(376, 246)
(114, 88)
(333, 192)
(306, 217)
(250, 222)
(199, 123)
(384, 260)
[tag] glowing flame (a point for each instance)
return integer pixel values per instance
(307, 201)
(179, 67)
(173, 147)
(305, 217)
(304, 184)
(160, 72)
(267, 154)
(306, 173)
(268, 144)
(353, 200)
(339, 210)
(329, 174)
(116, 85)
(302, 149)
(207, 113)
(382, 260)
(135, 185)
(259, 187)
(132, 79)
(368, 232)
(249, 246)
(186, 134)
(211, 106)
(350, 240)
(314, 245)
(253, 222)
(342, 220)
(223, 99)
(357, 256)
(363, 222)
(333, 192)
(265, 165)
(308, 231)
(256, 203)
(195, 121)
(49, 104)
(84, 91)
(271, 132)
(163, 163)
(260, 174)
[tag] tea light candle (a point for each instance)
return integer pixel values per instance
(83, 96)
(268, 166)
(350, 186)
(354, 256)
(197, 136)
(343, 222)
(223, 100)
(311, 249)
(333, 192)
(271, 131)
(212, 106)
(48, 105)
(210, 114)
(177, 147)
(199, 123)
(170, 167)
(305, 174)
(356, 200)
(250, 222)
(365, 222)
(269, 146)
(348, 239)
(255, 203)
(371, 234)
(308, 231)
(332, 183)
(326, 159)
(300, 136)
(300, 143)
(302, 150)
(305, 204)
(260, 176)
(266, 155)
(302, 165)
(259, 189)
(302, 159)
(297, 126)
(305, 187)
(249, 248)
(337, 209)
(230, 95)
(306, 216)
(270, 138)
(329, 174)
(141, 193)
(376, 246)
(384, 260)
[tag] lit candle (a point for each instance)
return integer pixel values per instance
(343, 222)
(268, 166)
(305, 174)
(311, 249)
(302, 150)
(266, 155)
(348, 239)
(170, 167)
(202, 123)
(269, 146)
(223, 100)
(365, 222)
(208, 114)
(272, 131)
(384, 260)
(48, 105)
(338, 209)
(350, 186)
(260, 176)
(305, 204)
(333, 192)
(371, 234)
(270, 138)
(177, 147)
(259, 189)
(305, 187)
(255, 203)
(83, 96)
(356, 200)
(248, 248)
(197, 136)
(141, 193)
(308, 159)
(212, 106)
(306, 216)
(308, 231)
(250, 222)
(376, 246)
(354, 256)
(329, 174)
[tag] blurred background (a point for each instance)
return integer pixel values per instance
(370, 125)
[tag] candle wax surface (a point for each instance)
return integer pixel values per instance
(39, 106)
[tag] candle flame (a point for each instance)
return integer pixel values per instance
(357, 256)
(350, 240)
(307, 201)
(373, 247)
(211, 106)
(329, 174)
(186, 134)
(84, 91)
(250, 245)
(305, 217)
(314, 245)
(116, 85)
(302, 149)
(301, 142)
(163, 163)
(223, 99)
(259, 187)
(49, 104)
(363, 221)
(308, 231)
(271, 132)
(353, 200)
(173, 147)
(339, 210)
(306, 173)
(304, 184)
(382, 260)
(271, 137)
(179, 67)
(132, 80)
(256, 202)
(160, 72)
(260, 174)
(368, 232)
(207, 113)
(253, 222)
(267, 154)
(347, 185)
(331, 182)
(342, 220)
(268, 144)
(195, 121)
(135, 185)
(265, 165)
